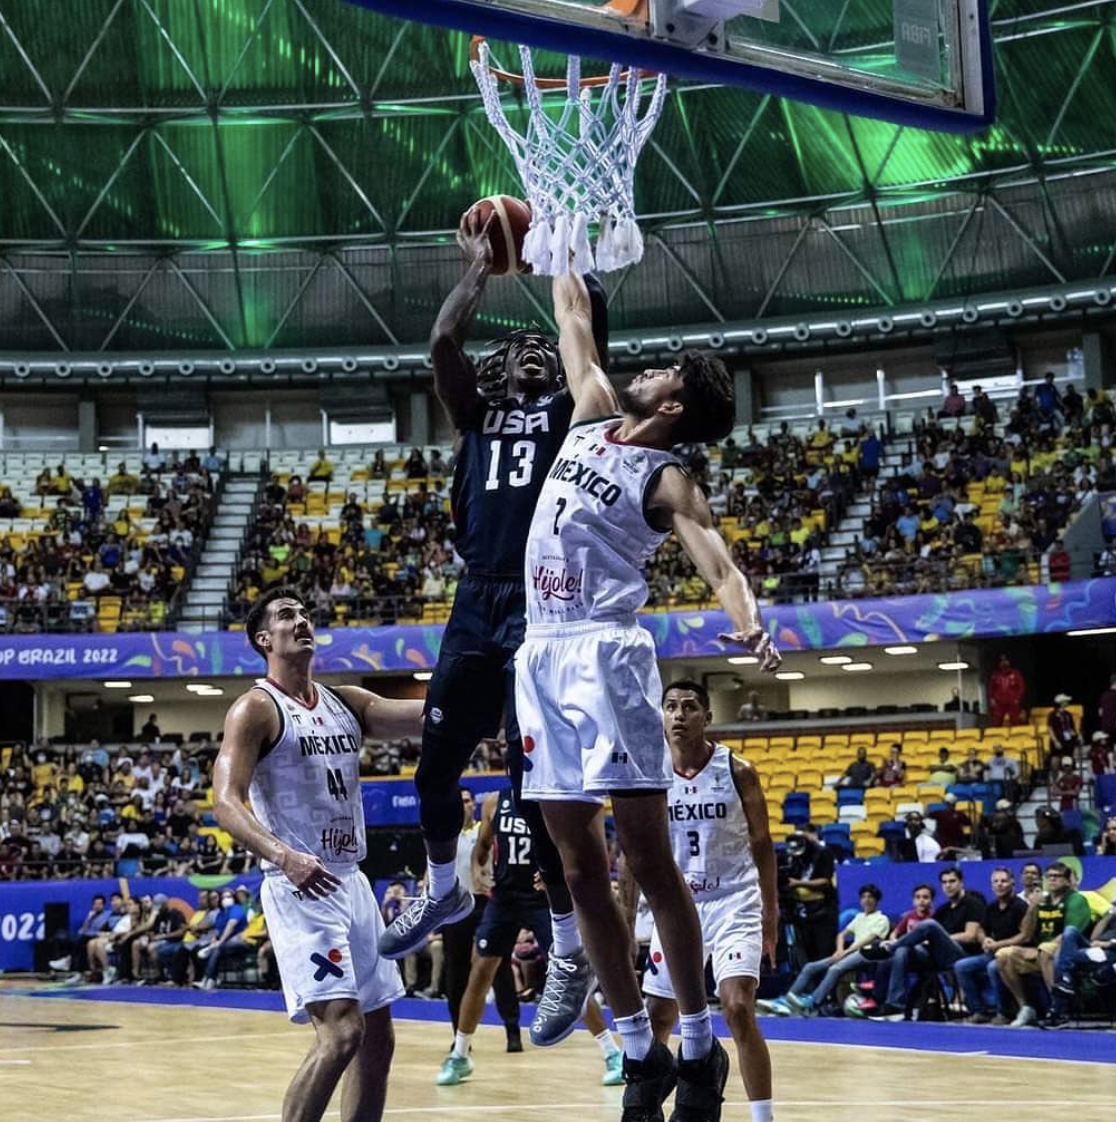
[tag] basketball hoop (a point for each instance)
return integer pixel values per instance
(578, 165)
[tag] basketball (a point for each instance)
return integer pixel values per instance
(513, 220)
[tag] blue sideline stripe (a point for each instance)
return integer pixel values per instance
(1085, 1046)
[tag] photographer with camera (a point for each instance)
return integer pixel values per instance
(808, 896)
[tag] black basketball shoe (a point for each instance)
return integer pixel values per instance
(647, 1084)
(701, 1086)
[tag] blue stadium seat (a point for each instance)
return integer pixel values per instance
(892, 831)
(850, 796)
(796, 808)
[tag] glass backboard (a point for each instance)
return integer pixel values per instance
(925, 63)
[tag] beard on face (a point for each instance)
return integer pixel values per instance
(629, 403)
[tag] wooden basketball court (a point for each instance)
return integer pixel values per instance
(113, 1061)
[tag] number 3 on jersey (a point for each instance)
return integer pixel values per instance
(522, 467)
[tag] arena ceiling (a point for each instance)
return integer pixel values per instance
(232, 174)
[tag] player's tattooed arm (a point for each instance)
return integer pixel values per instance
(678, 502)
(385, 718)
(252, 723)
(455, 376)
(592, 391)
(750, 790)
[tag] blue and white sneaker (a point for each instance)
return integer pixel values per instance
(800, 1003)
(614, 1070)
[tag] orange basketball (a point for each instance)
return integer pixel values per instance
(513, 220)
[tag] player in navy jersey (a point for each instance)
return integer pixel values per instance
(515, 903)
(506, 445)
(286, 785)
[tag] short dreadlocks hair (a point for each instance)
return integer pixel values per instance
(492, 376)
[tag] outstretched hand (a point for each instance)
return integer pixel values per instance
(473, 236)
(760, 644)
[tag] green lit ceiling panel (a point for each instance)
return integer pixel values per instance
(248, 173)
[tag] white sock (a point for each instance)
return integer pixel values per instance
(441, 877)
(462, 1042)
(567, 938)
(606, 1044)
(763, 1111)
(697, 1034)
(635, 1033)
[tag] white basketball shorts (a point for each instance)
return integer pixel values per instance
(327, 949)
(588, 698)
(732, 931)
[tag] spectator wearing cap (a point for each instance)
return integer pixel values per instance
(1065, 784)
(952, 828)
(1063, 731)
(1003, 769)
(1100, 754)
(916, 844)
(1002, 835)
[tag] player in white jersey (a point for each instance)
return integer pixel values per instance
(292, 751)
(721, 841)
(588, 691)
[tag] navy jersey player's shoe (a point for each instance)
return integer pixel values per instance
(647, 1084)
(701, 1086)
(410, 929)
(568, 982)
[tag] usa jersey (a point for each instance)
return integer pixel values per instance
(709, 831)
(500, 468)
(513, 859)
(590, 536)
(306, 787)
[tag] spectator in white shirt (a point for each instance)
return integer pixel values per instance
(96, 580)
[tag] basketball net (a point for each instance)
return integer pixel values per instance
(577, 166)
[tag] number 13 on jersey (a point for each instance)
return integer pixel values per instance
(520, 469)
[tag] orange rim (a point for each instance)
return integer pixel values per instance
(622, 9)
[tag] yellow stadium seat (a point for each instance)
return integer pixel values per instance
(755, 743)
(915, 736)
(808, 742)
(870, 847)
(809, 780)
(780, 831)
(931, 792)
(867, 739)
(783, 779)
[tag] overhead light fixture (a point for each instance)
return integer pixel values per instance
(835, 660)
(117, 685)
(857, 667)
(1092, 631)
(197, 687)
(900, 650)
(141, 698)
(209, 691)
(953, 666)
(423, 675)
(743, 660)
(790, 675)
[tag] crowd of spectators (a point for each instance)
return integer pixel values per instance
(1036, 952)
(387, 560)
(933, 528)
(69, 811)
(90, 548)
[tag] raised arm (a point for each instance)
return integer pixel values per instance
(455, 377)
(251, 723)
(763, 849)
(592, 391)
(677, 501)
(385, 718)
